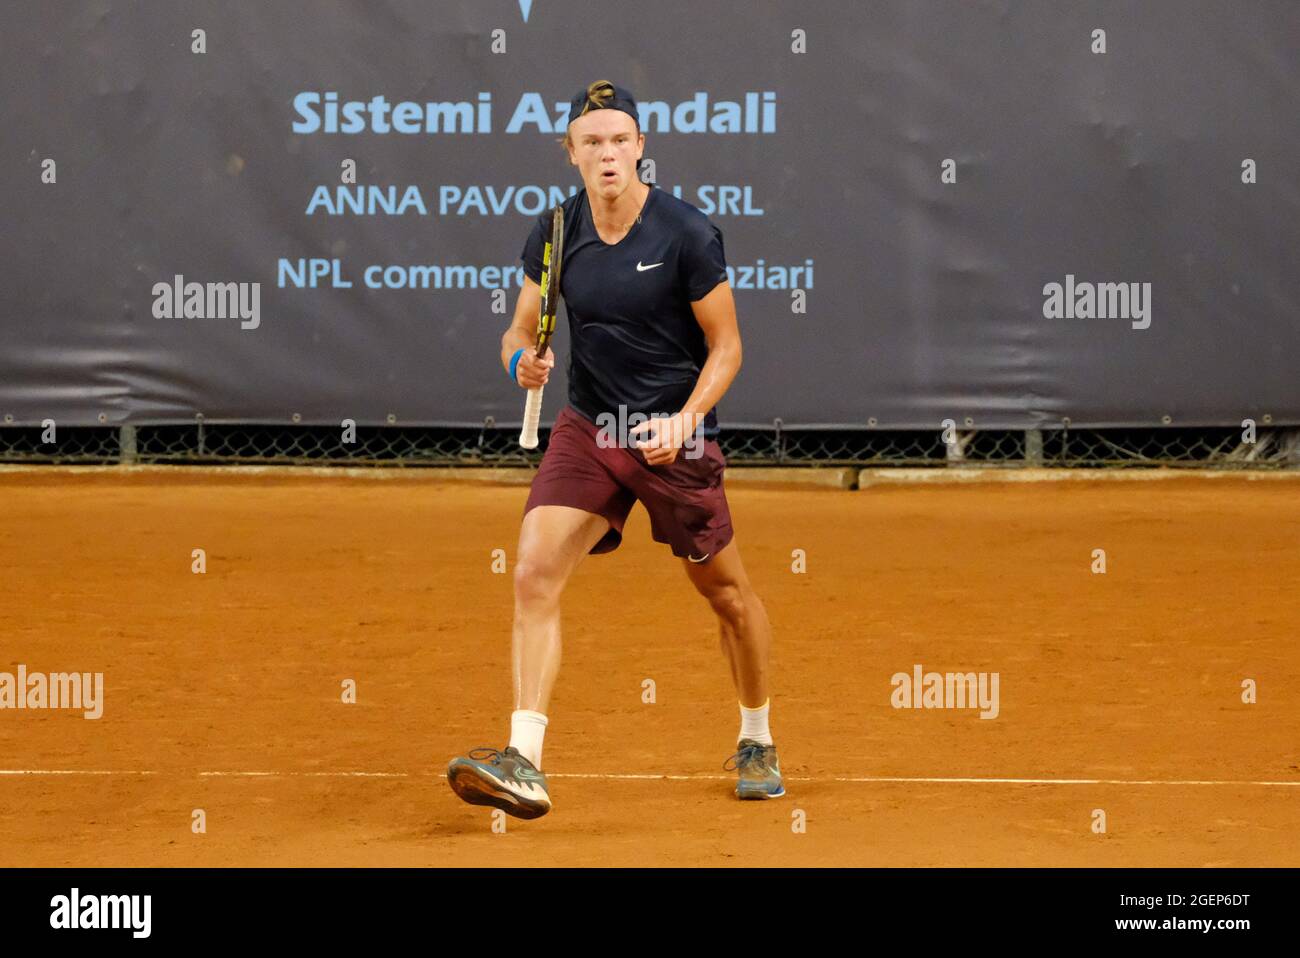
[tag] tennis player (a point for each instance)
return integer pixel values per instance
(653, 333)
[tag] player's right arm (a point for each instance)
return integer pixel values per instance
(522, 334)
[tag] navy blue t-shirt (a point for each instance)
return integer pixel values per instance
(633, 337)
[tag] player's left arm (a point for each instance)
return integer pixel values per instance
(716, 314)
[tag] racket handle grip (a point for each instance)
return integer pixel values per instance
(532, 418)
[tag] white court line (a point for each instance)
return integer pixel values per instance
(304, 775)
(952, 781)
(863, 779)
(67, 771)
(1060, 781)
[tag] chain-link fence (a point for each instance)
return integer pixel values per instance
(491, 445)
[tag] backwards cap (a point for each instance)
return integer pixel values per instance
(603, 95)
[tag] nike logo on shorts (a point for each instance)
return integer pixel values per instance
(701, 558)
(642, 269)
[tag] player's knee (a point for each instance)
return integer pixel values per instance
(534, 584)
(728, 601)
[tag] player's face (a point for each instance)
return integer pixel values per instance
(606, 148)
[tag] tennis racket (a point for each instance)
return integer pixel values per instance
(552, 254)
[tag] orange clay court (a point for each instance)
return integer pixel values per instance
(223, 691)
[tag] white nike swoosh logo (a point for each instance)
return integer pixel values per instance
(522, 789)
(701, 558)
(642, 269)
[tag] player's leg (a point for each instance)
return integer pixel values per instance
(689, 511)
(746, 638)
(552, 541)
(742, 621)
(575, 506)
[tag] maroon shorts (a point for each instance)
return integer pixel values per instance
(688, 509)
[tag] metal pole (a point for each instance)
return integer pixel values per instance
(126, 444)
(1033, 447)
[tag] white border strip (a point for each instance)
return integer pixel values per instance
(835, 477)
(980, 475)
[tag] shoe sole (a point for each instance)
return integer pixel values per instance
(473, 787)
(754, 794)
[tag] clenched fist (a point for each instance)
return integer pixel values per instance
(531, 371)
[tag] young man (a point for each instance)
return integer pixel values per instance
(653, 332)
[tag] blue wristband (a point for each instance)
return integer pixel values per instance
(514, 362)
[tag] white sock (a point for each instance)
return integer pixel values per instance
(526, 732)
(753, 724)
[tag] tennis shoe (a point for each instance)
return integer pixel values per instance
(502, 779)
(758, 770)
